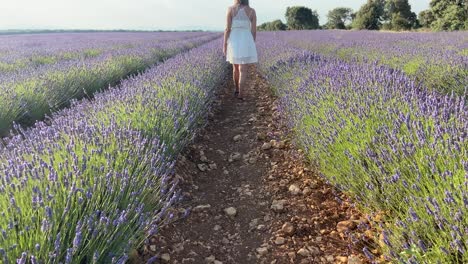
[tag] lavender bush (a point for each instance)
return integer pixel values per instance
(398, 148)
(93, 183)
(437, 60)
(33, 51)
(31, 93)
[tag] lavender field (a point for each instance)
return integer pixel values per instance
(384, 117)
(40, 73)
(93, 125)
(91, 183)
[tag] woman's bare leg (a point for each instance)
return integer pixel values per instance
(235, 74)
(243, 71)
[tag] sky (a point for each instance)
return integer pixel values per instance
(151, 14)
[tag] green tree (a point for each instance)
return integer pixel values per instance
(426, 18)
(275, 25)
(339, 17)
(446, 15)
(300, 17)
(398, 15)
(369, 15)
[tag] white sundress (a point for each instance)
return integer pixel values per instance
(241, 45)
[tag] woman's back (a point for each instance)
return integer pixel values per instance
(240, 19)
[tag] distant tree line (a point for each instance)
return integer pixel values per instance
(378, 15)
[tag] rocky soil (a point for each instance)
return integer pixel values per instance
(251, 196)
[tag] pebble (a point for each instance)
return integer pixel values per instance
(234, 156)
(344, 226)
(342, 259)
(306, 191)
(217, 262)
(266, 146)
(179, 248)
(294, 189)
(220, 152)
(210, 259)
(252, 160)
(279, 240)
(353, 259)
(262, 251)
(203, 159)
(231, 211)
(201, 207)
(261, 136)
(153, 248)
(226, 172)
(253, 223)
(280, 145)
(261, 227)
(202, 167)
(217, 228)
(313, 250)
(165, 257)
(237, 138)
(278, 205)
(329, 258)
(303, 252)
(288, 229)
(213, 166)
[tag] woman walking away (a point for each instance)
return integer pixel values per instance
(239, 42)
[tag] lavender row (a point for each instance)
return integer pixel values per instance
(437, 60)
(30, 95)
(32, 51)
(91, 185)
(400, 150)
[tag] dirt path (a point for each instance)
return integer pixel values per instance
(251, 200)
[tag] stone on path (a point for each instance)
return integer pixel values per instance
(288, 229)
(262, 251)
(313, 250)
(266, 146)
(278, 205)
(279, 240)
(344, 226)
(201, 207)
(353, 259)
(165, 258)
(342, 259)
(294, 189)
(213, 166)
(303, 252)
(231, 211)
(235, 156)
(210, 259)
(237, 138)
(202, 167)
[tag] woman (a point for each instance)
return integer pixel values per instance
(239, 42)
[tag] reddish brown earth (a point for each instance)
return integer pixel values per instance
(283, 212)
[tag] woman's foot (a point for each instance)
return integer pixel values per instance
(240, 97)
(236, 93)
